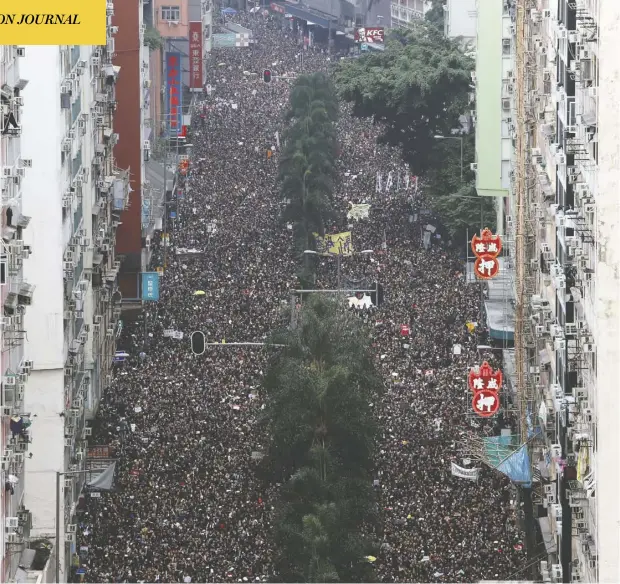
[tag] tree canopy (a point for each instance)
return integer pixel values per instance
(454, 200)
(307, 166)
(435, 15)
(418, 87)
(323, 433)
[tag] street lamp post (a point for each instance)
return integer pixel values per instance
(438, 137)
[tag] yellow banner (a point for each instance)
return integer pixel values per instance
(53, 22)
(334, 244)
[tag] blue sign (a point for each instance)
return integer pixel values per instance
(363, 47)
(173, 214)
(174, 94)
(150, 286)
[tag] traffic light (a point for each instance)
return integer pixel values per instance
(377, 296)
(267, 76)
(198, 342)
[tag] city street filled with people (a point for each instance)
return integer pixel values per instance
(187, 504)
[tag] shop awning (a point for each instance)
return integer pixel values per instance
(312, 18)
(500, 319)
(547, 535)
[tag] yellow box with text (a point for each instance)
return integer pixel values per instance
(53, 22)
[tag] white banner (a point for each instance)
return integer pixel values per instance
(465, 473)
(170, 333)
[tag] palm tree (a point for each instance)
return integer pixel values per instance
(322, 432)
(307, 167)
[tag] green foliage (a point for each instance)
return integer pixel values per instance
(323, 434)
(436, 14)
(418, 87)
(152, 39)
(456, 201)
(307, 166)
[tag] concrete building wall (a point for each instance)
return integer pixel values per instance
(460, 19)
(127, 152)
(608, 296)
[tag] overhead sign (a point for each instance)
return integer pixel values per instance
(195, 56)
(484, 378)
(150, 286)
(174, 93)
(486, 248)
(485, 403)
(370, 35)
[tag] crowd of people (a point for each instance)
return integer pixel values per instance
(187, 506)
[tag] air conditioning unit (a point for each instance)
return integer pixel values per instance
(8, 171)
(560, 158)
(113, 29)
(588, 416)
(66, 145)
(25, 162)
(21, 51)
(546, 13)
(20, 172)
(556, 449)
(556, 572)
(6, 322)
(473, 166)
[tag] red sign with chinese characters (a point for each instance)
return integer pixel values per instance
(485, 403)
(174, 93)
(370, 34)
(486, 244)
(404, 330)
(486, 267)
(195, 55)
(486, 248)
(485, 379)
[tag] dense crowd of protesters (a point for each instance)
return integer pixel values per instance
(187, 506)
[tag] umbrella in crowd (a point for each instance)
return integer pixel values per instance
(186, 504)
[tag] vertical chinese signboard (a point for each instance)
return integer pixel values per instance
(174, 93)
(150, 286)
(485, 383)
(195, 56)
(486, 248)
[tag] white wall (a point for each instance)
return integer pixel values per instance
(43, 130)
(460, 18)
(47, 448)
(608, 296)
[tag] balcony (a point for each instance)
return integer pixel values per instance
(76, 110)
(77, 216)
(76, 164)
(75, 55)
(566, 113)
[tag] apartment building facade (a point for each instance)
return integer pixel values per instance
(66, 178)
(569, 232)
(17, 296)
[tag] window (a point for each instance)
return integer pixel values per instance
(171, 13)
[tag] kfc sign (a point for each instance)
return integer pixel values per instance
(486, 248)
(372, 35)
(484, 378)
(195, 55)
